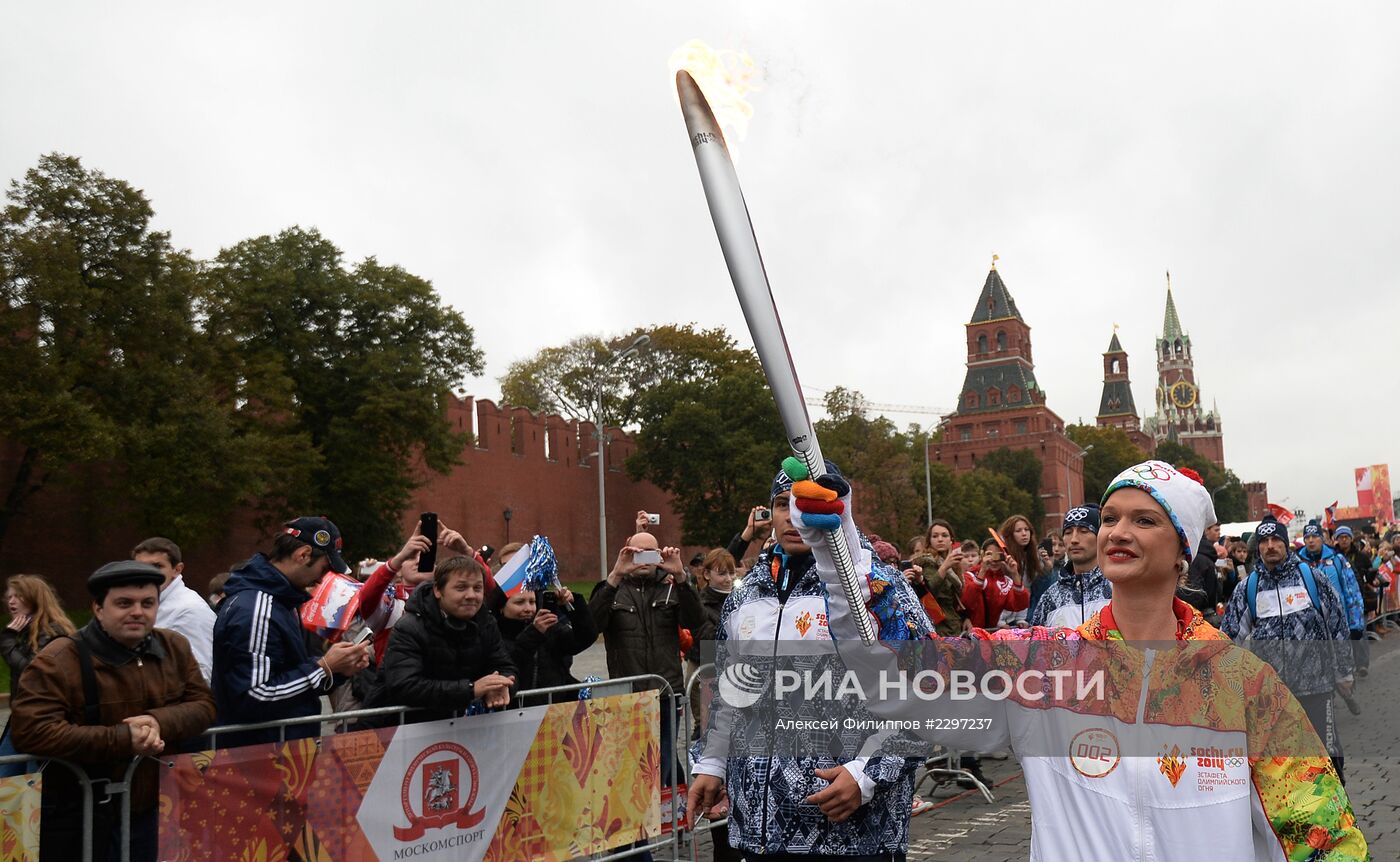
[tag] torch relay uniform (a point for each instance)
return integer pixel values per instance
(1189, 760)
(1074, 597)
(783, 599)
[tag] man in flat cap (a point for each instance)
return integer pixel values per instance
(120, 688)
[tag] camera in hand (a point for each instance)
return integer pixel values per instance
(549, 601)
(765, 515)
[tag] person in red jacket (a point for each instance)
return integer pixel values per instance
(992, 587)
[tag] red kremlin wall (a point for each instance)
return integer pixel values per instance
(520, 461)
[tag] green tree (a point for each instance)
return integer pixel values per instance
(975, 500)
(880, 461)
(1024, 470)
(351, 368)
(714, 446)
(588, 379)
(1112, 453)
(104, 364)
(1231, 501)
(708, 432)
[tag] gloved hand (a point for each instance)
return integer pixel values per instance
(819, 507)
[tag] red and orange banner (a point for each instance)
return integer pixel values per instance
(1373, 494)
(549, 783)
(19, 817)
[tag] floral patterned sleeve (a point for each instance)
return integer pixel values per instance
(1301, 796)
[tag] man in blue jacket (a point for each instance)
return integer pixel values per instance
(1295, 621)
(1338, 570)
(263, 670)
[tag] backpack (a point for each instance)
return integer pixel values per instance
(1252, 591)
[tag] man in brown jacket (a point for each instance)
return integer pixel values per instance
(119, 689)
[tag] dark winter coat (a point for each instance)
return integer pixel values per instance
(1203, 584)
(433, 660)
(711, 603)
(639, 621)
(14, 648)
(544, 660)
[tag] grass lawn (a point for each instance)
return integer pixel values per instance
(582, 589)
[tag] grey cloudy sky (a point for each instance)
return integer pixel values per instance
(530, 160)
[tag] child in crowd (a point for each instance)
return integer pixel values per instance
(993, 586)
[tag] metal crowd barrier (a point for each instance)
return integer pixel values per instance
(86, 782)
(341, 719)
(704, 670)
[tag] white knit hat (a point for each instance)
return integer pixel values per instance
(1186, 501)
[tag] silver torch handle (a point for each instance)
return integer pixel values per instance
(740, 246)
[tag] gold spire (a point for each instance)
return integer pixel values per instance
(995, 258)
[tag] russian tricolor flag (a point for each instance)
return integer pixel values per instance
(511, 577)
(333, 605)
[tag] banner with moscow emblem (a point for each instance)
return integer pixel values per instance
(439, 787)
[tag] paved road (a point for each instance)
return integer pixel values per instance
(964, 828)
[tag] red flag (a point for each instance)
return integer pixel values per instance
(1283, 515)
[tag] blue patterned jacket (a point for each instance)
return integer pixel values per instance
(1285, 630)
(771, 770)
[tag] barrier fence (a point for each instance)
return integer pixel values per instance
(350, 795)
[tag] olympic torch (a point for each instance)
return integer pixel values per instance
(736, 238)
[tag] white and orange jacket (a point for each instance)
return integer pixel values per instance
(1193, 749)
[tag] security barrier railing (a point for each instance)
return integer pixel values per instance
(84, 781)
(342, 719)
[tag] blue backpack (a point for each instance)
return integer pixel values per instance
(1309, 583)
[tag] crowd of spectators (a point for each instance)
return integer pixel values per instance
(158, 664)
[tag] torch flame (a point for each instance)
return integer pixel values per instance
(725, 76)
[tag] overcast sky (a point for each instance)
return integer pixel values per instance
(530, 159)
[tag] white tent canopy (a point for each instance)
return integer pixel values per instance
(1238, 528)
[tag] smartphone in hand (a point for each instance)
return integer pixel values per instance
(428, 526)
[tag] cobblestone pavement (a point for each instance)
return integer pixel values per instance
(963, 827)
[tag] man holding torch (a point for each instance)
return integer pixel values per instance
(805, 799)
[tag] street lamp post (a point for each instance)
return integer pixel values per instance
(599, 432)
(1217, 491)
(928, 481)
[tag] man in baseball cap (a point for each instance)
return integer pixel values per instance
(262, 670)
(322, 535)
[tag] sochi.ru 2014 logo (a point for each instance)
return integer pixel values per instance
(439, 796)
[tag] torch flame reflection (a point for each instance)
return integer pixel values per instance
(725, 77)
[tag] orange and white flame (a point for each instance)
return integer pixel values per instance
(725, 77)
